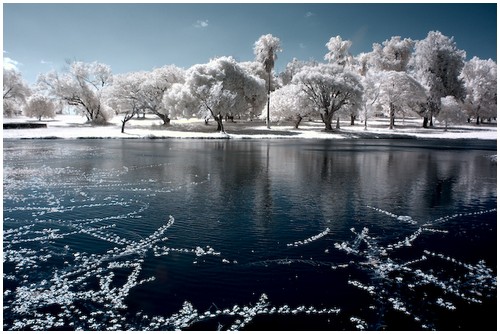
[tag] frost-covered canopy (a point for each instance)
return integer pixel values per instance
(480, 79)
(222, 87)
(15, 92)
(393, 54)
(330, 87)
(338, 50)
(81, 86)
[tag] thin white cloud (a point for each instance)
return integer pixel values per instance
(45, 62)
(309, 14)
(10, 64)
(201, 24)
(302, 45)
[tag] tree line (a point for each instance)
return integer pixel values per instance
(399, 77)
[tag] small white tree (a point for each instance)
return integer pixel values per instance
(290, 102)
(124, 96)
(81, 86)
(179, 102)
(480, 78)
(15, 92)
(155, 85)
(330, 87)
(222, 87)
(371, 93)
(438, 64)
(338, 51)
(451, 111)
(39, 106)
(399, 92)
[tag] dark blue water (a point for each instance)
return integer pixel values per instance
(258, 235)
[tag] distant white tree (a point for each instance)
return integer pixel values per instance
(330, 87)
(15, 92)
(480, 79)
(399, 93)
(124, 96)
(393, 54)
(338, 51)
(81, 86)
(438, 64)
(222, 87)
(451, 111)
(292, 68)
(265, 50)
(371, 92)
(39, 106)
(179, 102)
(153, 88)
(291, 102)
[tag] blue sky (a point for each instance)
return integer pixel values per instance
(133, 37)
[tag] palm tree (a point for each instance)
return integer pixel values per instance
(265, 50)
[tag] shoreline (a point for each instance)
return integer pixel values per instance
(74, 127)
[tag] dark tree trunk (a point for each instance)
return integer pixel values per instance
(220, 126)
(298, 119)
(430, 122)
(268, 119)
(426, 121)
(125, 119)
(391, 116)
(327, 119)
(353, 118)
(165, 119)
(338, 123)
(478, 120)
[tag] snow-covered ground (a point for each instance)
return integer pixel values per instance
(73, 126)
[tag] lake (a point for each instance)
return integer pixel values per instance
(249, 234)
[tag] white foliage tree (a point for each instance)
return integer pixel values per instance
(292, 68)
(389, 62)
(393, 54)
(265, 50)
(338, 51)
(399, 93)
(451, 111)
(124, 96)
(222, 87)
(153, 88)
(179, 102)
(438, 64)
(290, 102)
(330, 87)
(39, 105)
(480, 78)
(371, 93)
(81, 86)
(15, 92)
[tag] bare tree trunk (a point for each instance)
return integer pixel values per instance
(268, 119)
(298, 119)
(426, 121)
(220, 126)
(327, 119)
(391, 116)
